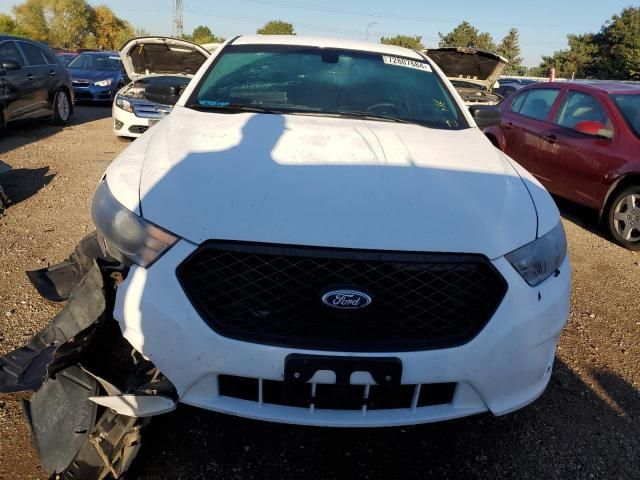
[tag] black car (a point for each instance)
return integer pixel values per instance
(33, 82)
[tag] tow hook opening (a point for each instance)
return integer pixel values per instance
(87, 395)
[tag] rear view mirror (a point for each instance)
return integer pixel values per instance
(485, 115)
(594, 129)
(10, 65)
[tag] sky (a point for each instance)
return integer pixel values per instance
(543, 24)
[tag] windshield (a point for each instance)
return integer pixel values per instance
(95, 62)
(327, 82)
(629, 106)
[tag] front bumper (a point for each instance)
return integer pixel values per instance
(93, 93)
(507, 366)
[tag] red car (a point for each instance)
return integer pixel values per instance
(582, 141)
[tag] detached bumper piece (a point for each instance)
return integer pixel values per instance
(83, 426)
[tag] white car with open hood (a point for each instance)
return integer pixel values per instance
(473, 72)
(160, 69)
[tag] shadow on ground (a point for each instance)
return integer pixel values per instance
(24, 132)
(583, 216)
(569, 433)
(22, 183)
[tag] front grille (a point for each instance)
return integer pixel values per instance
(336, 397)
(272, 294)
(81, 83)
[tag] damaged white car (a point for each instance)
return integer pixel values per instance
(319, 234)
(160, 69)
(473, 72)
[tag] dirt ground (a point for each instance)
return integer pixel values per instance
(586, 426)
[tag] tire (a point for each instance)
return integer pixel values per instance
(62, 109)
(623, 218)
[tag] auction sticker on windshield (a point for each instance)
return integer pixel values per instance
(405, 62)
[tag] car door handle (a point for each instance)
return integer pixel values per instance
(29, 76)
(550, 137)
(508, 125)
(52, 73)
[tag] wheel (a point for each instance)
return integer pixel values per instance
(61, 108)
(624, 218)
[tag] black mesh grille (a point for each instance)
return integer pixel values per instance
(272, 295)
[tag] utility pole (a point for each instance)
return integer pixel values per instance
(369, 27)
(178, 16)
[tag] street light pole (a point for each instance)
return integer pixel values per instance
(368, 27)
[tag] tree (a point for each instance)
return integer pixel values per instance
(69, 23)
(509, 48)
(619, 41)
(612, 53)
(110, 32)
(8, 25)
(466, 35)
(202, 35)
(276, 27)
(31, 21)
(406, 41)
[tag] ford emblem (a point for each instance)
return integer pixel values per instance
(346, 299)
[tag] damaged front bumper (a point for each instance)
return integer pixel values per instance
(83, 425)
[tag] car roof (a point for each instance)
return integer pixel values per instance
(606, 86)
(105, 54)
(326, 42)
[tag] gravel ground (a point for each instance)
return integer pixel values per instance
(587, 424)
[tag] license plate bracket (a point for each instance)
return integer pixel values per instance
(300, 368)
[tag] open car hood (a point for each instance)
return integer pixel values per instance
(469, 64)
(147, 56)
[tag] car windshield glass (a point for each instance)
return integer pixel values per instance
(95, 62)
(629, 106)
(327, 82)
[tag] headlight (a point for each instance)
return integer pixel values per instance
(540, 259)
(103, 83)
(128, 237)
(124, 104)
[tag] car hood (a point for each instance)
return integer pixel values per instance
(334, 182)
(148, 56)
(86, 74)
(473, 65)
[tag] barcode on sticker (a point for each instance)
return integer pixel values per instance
(405, 62)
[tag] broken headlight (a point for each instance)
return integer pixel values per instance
(540, 259)
(128, 237)
(124, 104)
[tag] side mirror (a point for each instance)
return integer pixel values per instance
(485, 115)
(593, 129)
(10, 65)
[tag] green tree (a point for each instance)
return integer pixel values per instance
(406, 41)
(31, 21)
(277, 27)
(8, 25)
(509, 48)
(69, 23)
(466, 35)
(202, 35)
(110, 31)
(619, 42)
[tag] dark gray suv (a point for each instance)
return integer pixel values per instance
(33, 82)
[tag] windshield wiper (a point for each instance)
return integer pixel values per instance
(374, 116)
(234, 108)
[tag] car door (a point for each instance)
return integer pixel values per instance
(523, 123)
(576, 163)
(17, 88)
(38, 72)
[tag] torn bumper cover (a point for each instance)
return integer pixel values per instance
(83, 426)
